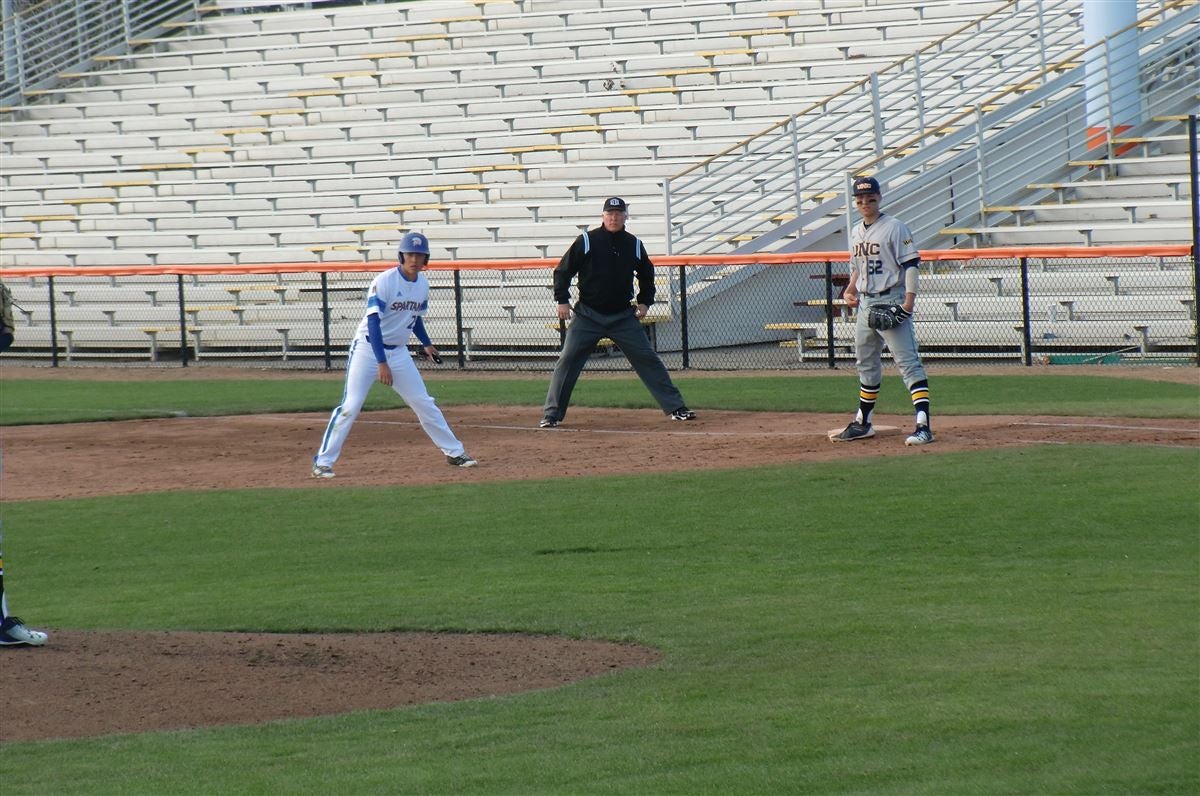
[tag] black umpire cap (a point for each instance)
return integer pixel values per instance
(616, 203)
(865, 185)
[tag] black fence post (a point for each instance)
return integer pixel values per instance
(458, 318)
(1026, 334)
(828, 314)
(53, 324)
(1194, 171)
(325, 320)
(183, 346)
(683, 316)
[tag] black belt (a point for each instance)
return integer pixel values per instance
(386, 347)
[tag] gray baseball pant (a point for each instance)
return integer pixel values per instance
(901, 341)
(626, 331)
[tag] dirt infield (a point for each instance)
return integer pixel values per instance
(92, 683)
(275, 450)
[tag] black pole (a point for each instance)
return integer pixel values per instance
(53, 325)
(1194, 170)
(325, 320)
(458, 318)
(183, 346)
(1025, 321)
(683, 315)
(828, 314)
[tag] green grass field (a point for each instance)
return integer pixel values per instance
(1022, 621)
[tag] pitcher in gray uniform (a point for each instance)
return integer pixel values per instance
(606, 260)
(883, 271)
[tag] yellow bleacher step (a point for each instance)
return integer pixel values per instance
(422, 37)
(496, 167)
(745, 34)
(535, 148)
(419, 206)
(633, 92)
(696, 70)
(612, 109)
(375, 227)
(579, 128)
(316, 92)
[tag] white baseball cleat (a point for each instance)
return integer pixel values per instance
(13, 633)
(322, 471)
(922, 436)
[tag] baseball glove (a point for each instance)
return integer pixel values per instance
(887, 316)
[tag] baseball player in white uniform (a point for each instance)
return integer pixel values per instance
(396, 301)
(883, 285)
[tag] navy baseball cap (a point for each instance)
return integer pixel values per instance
(616, 203)
(866, 185)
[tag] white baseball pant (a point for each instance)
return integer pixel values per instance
(361, 372)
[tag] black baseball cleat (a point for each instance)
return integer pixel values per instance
(683, 413)
(852, 432)
(461, 461)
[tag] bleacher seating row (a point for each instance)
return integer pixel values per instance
(313, 134)
(324, 133)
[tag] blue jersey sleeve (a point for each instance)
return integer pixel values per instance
(419, 331)
(375, 335)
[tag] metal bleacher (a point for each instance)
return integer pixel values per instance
(311, 132)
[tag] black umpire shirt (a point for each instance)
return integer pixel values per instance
(606, 263)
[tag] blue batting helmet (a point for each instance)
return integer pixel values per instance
(414, 243)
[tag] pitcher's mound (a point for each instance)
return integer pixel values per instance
(96, 683)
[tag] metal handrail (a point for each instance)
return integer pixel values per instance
(1042, 134)
(745, 189)
(1071, 62)
(40, 42)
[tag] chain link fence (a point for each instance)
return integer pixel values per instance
(1011, 310)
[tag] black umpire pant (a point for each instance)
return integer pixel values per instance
(588, 328)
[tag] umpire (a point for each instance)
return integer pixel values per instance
(606, 260)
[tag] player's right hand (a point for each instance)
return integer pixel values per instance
(385, 374)
(564, 312)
